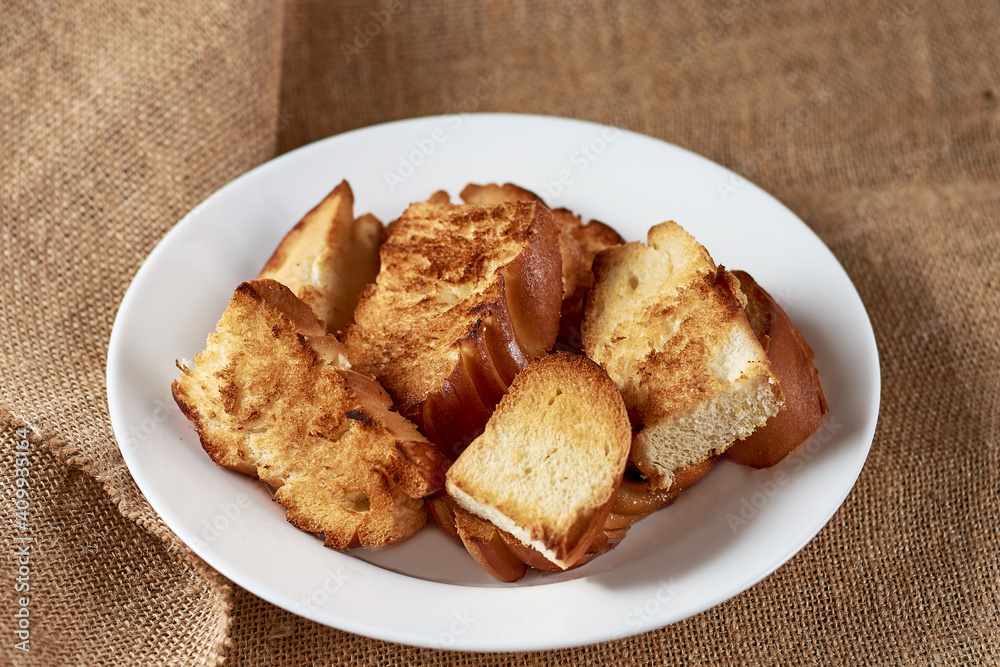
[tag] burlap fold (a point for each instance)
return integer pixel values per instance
(876, 122)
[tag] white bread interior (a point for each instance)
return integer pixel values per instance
(669, 328)
(551, 458)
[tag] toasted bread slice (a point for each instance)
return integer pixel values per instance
(271, 396)
(492, 194)
(466, 297)
(547, 468)
(793, 361)
(578, 245)
(505, 558)
(669, 328)
(328, 257)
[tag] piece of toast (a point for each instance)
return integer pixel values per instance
(328, 257)
(465, 298)
(578, 245)
(272, 396)
(668, 326)
(793, 361)
(491, 194)
(547, 468)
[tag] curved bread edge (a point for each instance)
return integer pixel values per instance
(328, 257)
(548, 465)
(794, 363)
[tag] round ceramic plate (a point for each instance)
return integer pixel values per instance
(724, 534)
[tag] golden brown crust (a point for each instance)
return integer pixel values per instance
(578, 244)
(492, 194)
(269, 397)
(439, 197)
(441, 508)
(466, 296)
(527, 555)
(794, 362)
(532, 290)
(482, 540)
(598, 544)
(637, 498)
(328, 257)
(591, 238)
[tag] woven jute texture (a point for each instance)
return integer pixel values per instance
(876, 122)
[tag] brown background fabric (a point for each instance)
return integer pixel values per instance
(875, 122)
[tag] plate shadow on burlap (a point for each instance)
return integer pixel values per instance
(876, 122)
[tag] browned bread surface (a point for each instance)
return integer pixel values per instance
(548, 465)
(578, 244)
(441, 508)
(492, 194)
(328, 257)
(794, 362)
(669, 328)
(271, 396)
(466, 296)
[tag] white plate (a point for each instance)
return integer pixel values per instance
(722, 536)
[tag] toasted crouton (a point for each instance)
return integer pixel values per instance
(578, 244)
(272, 396)
(465, 298)
(328, 257)
(548, 466)
(669, 328)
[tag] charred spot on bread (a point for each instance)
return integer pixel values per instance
(360, 416)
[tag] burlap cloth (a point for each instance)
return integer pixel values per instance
(876, 122)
